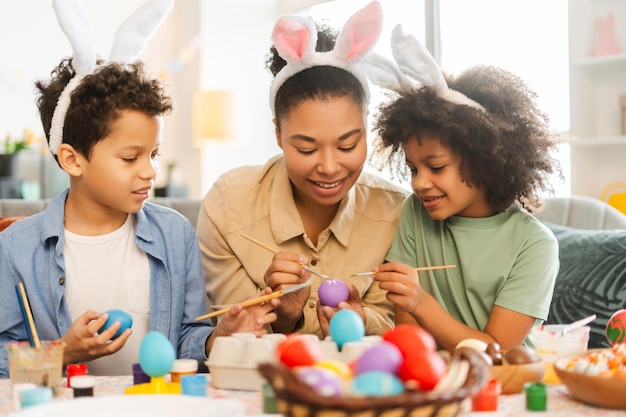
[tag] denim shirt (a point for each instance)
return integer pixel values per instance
(31, 251)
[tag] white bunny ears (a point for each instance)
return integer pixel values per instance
(415, 67)
(295, 39)
(130, 40)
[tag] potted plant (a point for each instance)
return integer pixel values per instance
(10, 147)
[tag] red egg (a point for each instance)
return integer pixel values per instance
(332, 291)
(423, 368)
(409, 338)
(297, 350)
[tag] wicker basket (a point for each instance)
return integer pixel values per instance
(295, 398)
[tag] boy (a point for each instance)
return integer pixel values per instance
(99, 245)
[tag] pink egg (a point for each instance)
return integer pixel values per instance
(332, 292)
(384, 357)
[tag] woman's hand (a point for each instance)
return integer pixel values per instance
(253, 319)
(285, 271)
(326, 313)
(82, 343)
(401, 283)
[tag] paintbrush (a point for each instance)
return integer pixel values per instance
(421, 268)
(258, 300)
(270, 249)
(27, 314)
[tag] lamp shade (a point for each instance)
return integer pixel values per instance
(211, 117)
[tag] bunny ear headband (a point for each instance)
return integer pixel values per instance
(295, 39)
(415, 66)
(130, 40)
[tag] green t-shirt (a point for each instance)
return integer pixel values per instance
(510, 260)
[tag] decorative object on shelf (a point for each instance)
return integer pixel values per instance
(605, 36)
(10, 147)
(615, 195)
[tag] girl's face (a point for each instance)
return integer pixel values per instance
(123, 165)
(325, 147)
(436, 180)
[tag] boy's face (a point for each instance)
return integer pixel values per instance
(436, 180)
(324, 143)
(123, 165)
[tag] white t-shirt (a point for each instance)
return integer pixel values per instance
(105, 272)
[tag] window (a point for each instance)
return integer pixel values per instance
(526, 37)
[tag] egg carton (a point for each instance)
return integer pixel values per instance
(233, 360)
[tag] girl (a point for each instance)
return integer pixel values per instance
(478, 149)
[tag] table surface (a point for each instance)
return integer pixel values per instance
(560, 403)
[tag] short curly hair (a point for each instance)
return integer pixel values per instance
(505, 149)
(99, 100)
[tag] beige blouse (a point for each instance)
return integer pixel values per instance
(258, 201)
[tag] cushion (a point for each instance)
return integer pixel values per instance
(591, 279)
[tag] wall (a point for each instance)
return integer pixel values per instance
(33, 43)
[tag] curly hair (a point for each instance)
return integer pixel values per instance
(505, 149)
(99, 100)
(315, 83)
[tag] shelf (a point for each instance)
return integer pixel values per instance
(599, 141)
(601, 61)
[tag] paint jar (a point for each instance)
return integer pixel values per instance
(139, 376)
(75, 369)
(487, 398)
(194, 385)
(83, 385)
(35, 396)
(183, 367)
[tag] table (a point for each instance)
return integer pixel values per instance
(560, 403)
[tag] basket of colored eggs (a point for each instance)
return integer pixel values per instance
(401, 375)
(597, 377)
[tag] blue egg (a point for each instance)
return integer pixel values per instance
(156, 354)
(376, 384)
(346, 326)
(123, 317)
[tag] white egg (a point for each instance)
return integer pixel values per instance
(475, 344)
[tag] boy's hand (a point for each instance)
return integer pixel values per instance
(83, 344)
(326, 313)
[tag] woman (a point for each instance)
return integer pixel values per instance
(313, 202)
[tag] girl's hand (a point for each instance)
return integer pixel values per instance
(285, 271)
(326, 313)
(401, 283)
(82, 344)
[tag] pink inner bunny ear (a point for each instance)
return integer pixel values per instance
(294, 38)
(361, 32)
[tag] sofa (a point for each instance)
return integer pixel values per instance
(592, 242)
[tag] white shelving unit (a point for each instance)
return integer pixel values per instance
(598, 151)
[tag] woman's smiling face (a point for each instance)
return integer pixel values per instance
(325, 148)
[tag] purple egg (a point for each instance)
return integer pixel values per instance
(384, 357)
(324, 381)
(332, 292)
